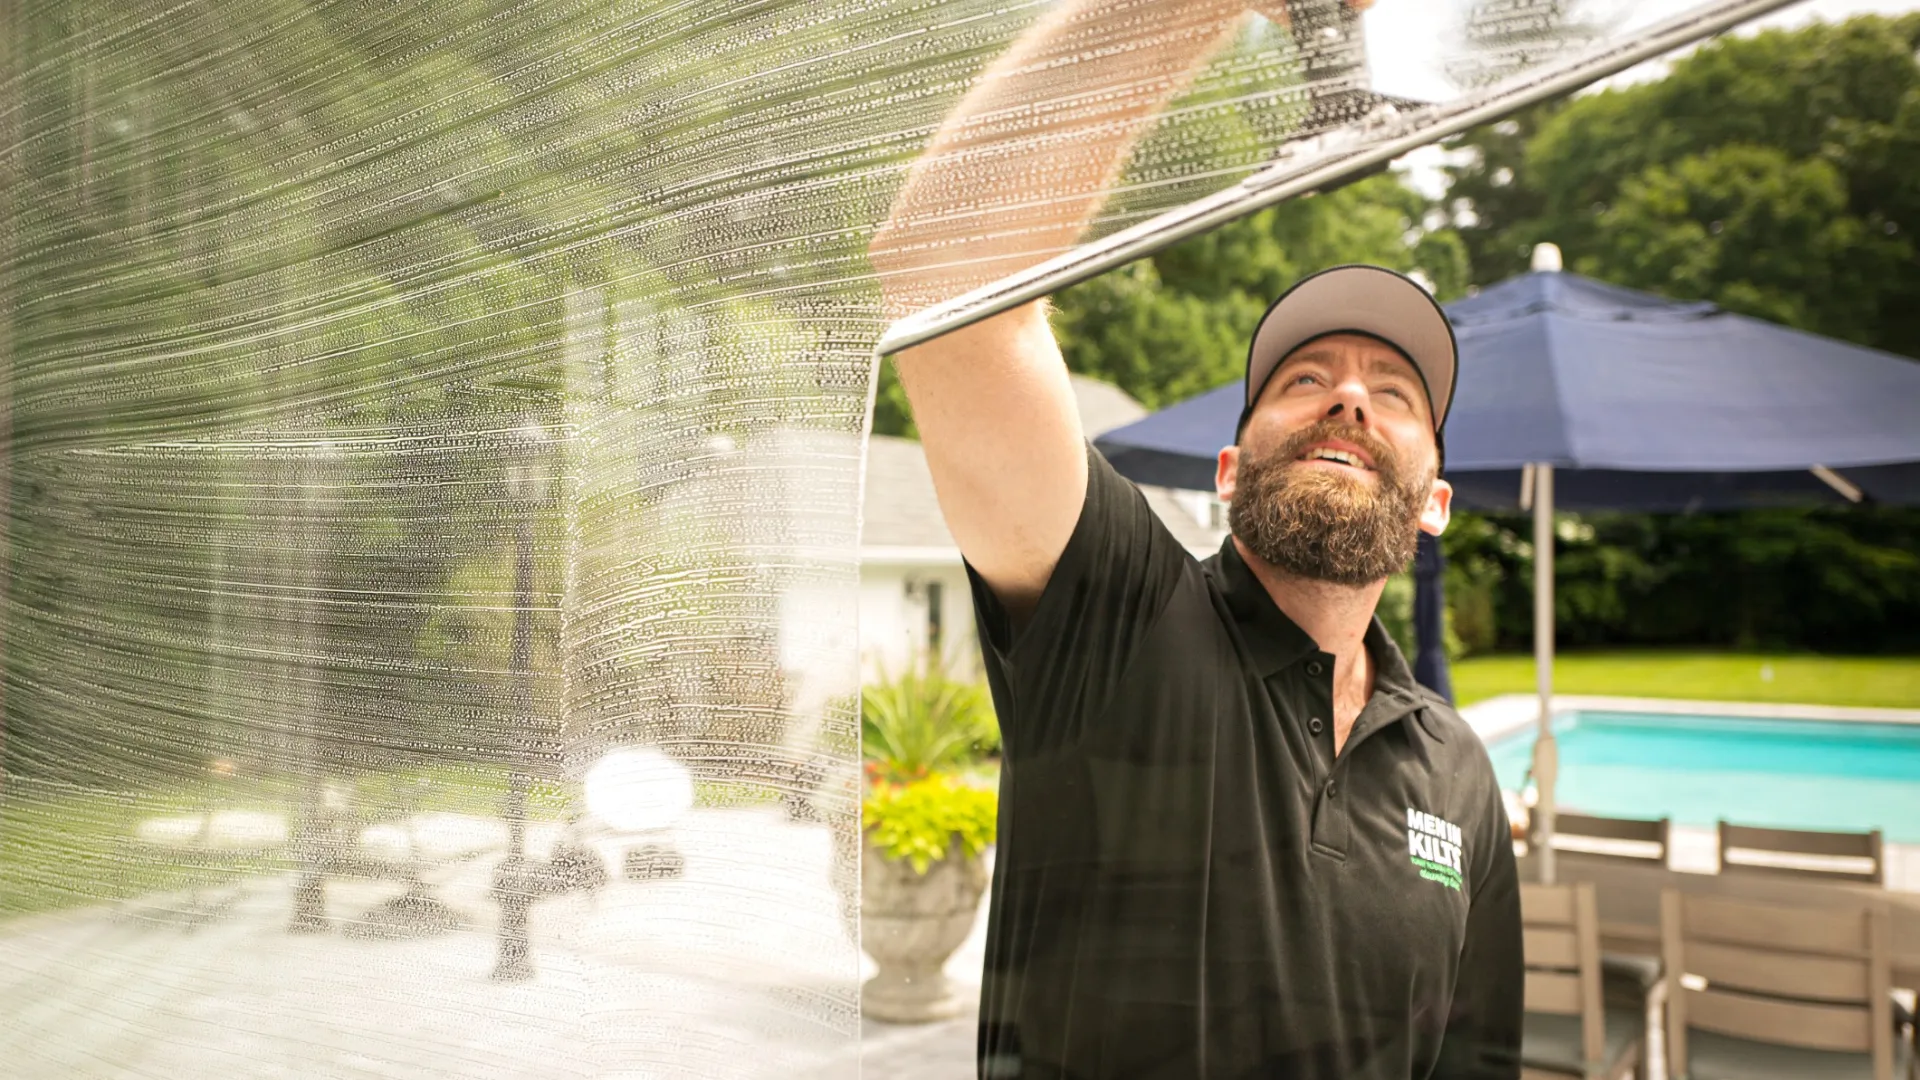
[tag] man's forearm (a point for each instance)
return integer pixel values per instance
(1018, 170)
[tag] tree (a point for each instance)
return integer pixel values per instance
(1493, 206)
(1756, 231)
(1777, 175)
(1178, 322)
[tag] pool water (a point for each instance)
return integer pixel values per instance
(1795, 774)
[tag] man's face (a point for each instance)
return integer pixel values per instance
(1334, 476)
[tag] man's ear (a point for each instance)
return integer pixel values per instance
(1226, 473)
(1439, 509)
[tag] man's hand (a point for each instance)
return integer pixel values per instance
(1018, 170)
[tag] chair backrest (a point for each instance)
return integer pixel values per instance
(1825, 856)
(1560, 926)
(1815, 978)
(1633, 840)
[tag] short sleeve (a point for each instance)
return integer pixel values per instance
(1114, 579)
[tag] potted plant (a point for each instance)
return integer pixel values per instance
(922, 876)
(924, 832)
(925, 721)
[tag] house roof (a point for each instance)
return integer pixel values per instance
(901, 520)
(1103, 406)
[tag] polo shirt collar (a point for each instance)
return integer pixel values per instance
(1395, 691)
(1276, 642)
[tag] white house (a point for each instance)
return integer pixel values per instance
(913, 589)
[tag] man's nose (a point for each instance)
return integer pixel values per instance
(1349, 402)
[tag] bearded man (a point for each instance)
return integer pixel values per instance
(1237, 839)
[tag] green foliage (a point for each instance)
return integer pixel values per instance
(63, 846)
(924, 721)
(1494, 207)
(1395, 612)
(1169, 326)
(891, 413)
(924, 821)
(1756, 231)
(1482, 558)
(1160, 345)
(1776, 174)
(1836, 580)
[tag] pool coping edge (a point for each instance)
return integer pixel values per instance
(1498, 717)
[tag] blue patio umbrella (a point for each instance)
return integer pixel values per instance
(1587, 396)
(1637, 402)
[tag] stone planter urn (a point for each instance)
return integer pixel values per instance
(910, 924)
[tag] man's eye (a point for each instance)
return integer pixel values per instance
(1304, 378)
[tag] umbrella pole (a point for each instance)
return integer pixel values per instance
(1546, 753)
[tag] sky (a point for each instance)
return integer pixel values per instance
(1403, 59)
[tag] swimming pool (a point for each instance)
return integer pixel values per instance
(1805, 774)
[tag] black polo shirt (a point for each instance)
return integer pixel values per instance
(1189, 882)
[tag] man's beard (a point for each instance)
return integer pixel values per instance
(1320, 524)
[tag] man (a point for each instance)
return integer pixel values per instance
(1236, 839)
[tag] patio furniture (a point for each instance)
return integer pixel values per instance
(1629, 899)
(1569, 1030)
(1757, 990)
(1588, 836)
(1831, 856)
(1631, 841)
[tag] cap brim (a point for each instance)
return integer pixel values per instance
(1368, 300)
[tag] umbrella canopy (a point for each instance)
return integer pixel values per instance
(1658, 405)
(1588, 396)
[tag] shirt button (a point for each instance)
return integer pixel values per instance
(1314, 668)
(1333, 789)
(1314, 725)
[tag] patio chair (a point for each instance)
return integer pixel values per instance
(1802, 853)
(1569, 1030)
(1618, 841)
(1757, 991)
(1633, 840)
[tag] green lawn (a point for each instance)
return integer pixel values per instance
(63, 846)
(1885, 681)
(69, 847)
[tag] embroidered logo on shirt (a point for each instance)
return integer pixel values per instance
(1434, 845)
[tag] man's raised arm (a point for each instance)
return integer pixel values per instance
(1013, 177)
